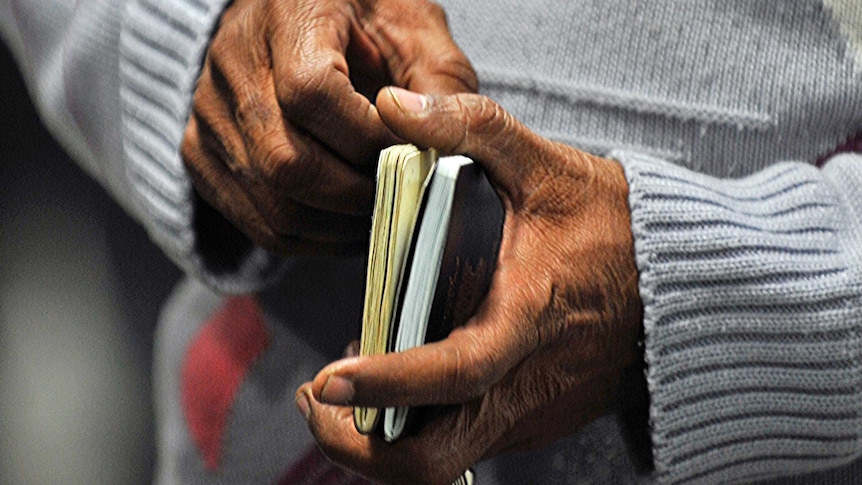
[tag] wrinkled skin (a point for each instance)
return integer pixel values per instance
(544, 353)
(282, 138)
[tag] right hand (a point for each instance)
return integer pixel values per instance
(282, 138)
(544, 354)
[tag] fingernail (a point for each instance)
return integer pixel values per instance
(337, 390)
(408, 101)
(303, 405)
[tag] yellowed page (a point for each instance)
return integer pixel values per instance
(401, 176)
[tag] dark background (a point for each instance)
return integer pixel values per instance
(80, 290)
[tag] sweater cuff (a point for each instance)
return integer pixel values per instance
(751, 292)
(162, 46)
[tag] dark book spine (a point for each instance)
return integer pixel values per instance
(470, 254)
(466, 268)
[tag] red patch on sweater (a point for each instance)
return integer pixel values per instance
(215, 365)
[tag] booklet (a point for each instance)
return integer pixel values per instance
(422, 284)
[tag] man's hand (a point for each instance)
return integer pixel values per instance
(544, 353)
(282, 139)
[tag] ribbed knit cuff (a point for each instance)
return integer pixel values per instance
(751, 292)
(162, 46)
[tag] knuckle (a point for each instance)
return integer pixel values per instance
(238, 30)
(205, 99)
(479, 117)
(304, 82)
(300, 175)
(252, 111)
(291, 172)
(469, 372)
(460, 143)
(435, 12)
(427, 14)
(224, 53)
(222, 46)
(236, 60)
(303, 93)
(487, 117)
(276, 160)
(213, 136)
(217, 133)
(494, 125)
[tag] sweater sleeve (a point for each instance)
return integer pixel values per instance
(113, 81)
(752, 293)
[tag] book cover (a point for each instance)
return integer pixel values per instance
(451, 263)
(440, 264)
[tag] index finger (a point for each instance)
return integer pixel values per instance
(454, 370)
(313, 85)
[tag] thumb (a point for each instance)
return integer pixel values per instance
(454, 370)
(514, 157)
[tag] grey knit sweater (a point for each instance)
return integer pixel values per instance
(749, 254)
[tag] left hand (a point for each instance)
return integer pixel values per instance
(282, 140)
(543, 355)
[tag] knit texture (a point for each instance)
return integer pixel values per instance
(724, 87)
(161, 50)
(752, 315)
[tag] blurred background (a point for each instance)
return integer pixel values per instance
(80, 290)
